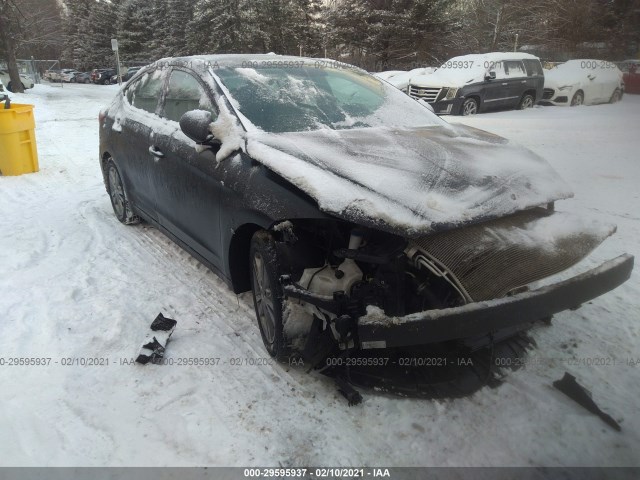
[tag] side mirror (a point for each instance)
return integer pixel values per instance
(195, 125)
(490, 76)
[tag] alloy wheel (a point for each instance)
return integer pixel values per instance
(264, 298)
(116, 192)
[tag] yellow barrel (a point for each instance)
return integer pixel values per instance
(18, 153)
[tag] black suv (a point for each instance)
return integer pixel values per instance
(102, 75)
(472, 83)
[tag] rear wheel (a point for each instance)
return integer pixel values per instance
(526, 101)
(267, 293)
(578, 99)
(469, 107)
(615, 97)
(118, 195)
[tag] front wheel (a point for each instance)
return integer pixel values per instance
(469, 107)
(578, 99)
(616, 96)
(527, 101)
(118, 195)
(267, 293)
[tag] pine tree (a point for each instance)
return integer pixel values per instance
(95, 34)
(135, 30)
(179, 15)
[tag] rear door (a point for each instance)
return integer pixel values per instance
(132, 130)
(535, 77)
(187, 179)
(517, 82)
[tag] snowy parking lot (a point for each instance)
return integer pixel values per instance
(76, 284)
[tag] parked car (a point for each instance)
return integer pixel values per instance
(102, 75)
(631, 76)
(27, 82)
(68, 75)
(127, 76)
(4, 94)
(583, 82)
(401, 80)
(52, 75)
(469, 84)
(358, 218)
(83, 77)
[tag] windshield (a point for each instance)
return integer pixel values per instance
(309, 98)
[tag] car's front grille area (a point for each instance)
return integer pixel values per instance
(547, 93)
(491, 259)
(424, 93)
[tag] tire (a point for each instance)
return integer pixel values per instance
(87, 81)
(578, 99)
(106, 82)
(616, 96)
(469, 107)
(527, 101)
(117, 193)
(267, 293)
(10, 87)
(73, 80)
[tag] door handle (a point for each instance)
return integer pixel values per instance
(156, 153)
(505, 84)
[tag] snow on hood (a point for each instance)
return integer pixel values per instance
(402, 79)
(449, 78)
(410, 181)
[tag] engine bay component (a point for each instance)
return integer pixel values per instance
(488, 260)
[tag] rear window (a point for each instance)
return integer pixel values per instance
(514, 68)
(533, 67)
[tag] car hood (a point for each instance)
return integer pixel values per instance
(448, 78)
(555, 79)
(410, 181)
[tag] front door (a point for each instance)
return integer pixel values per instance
(186, 177)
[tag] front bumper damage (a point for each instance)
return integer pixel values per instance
(374, 329)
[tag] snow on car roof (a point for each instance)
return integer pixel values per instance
(496, 56)
(265, 60)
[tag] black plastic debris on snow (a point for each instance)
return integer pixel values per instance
(576, 392)
(439, 371)
(156, 342)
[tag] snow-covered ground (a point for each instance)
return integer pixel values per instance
(75, 283)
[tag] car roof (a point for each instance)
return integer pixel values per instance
(233, 60)
(498, 56)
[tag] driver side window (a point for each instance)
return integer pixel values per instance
(185, 93)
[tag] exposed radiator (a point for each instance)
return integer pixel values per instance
(490, 259)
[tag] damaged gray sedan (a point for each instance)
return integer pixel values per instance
(359, 219)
